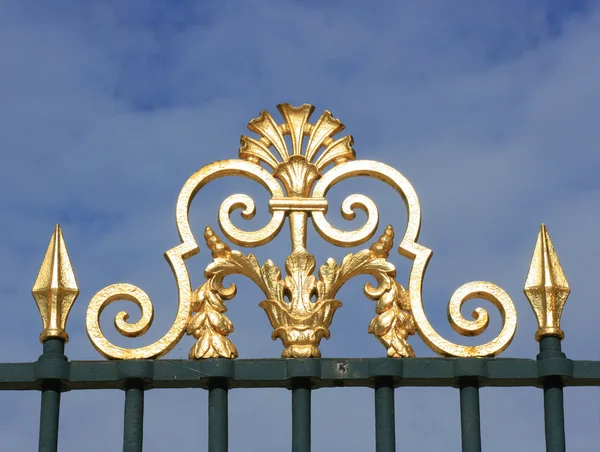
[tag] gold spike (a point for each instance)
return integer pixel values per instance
(546, 287)
(55, 288)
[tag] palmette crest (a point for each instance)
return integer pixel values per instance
(299, 168)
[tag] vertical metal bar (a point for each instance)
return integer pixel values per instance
(49, 420)
(54, 349)
(301, 400)
(470, 421)
(554, 416)
(218, 416)
(385, 427)
(133, 428)
(554, 412)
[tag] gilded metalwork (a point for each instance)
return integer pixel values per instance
(546, 287)
(300, 305)
(394, 321)
(297, 320)
(55, 288)
(208, 323)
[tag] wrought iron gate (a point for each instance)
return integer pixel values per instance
(300, 306)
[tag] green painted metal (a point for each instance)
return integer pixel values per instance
(218, 428)
(50, 362)
(49, 420)
(278, 373)
(554, 413)
(301, 401)
(469, 415)
(385, 427)
(133, 428)
(53, 374)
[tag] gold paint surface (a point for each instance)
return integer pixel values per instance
(546, 287)
(297, 320)
(208, 323)
(300, 305)
(55, 288)
(298, 204)
(176, 258)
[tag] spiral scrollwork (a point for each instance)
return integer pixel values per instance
(420, 256)
(300, 305)
(247, 238)
(176, 258)
(495, 295)
(349, 206)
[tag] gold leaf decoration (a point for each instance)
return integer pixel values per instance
(394, 322)
(298, 320)
(298, 163)
(208, 323)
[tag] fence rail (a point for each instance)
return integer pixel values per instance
(53, 374)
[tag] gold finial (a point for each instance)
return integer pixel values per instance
(55, 288)
(546, 287)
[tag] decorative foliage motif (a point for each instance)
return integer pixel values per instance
(300, 305)
(209, 324)
(296, 171)
(394, 321)
(299, 322)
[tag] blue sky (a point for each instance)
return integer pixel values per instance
(490, 109)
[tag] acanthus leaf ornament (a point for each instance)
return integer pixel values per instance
(208, 322)
(300, 304)
(394, 321)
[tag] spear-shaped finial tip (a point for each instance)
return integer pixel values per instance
(546, 287)
(55, 288)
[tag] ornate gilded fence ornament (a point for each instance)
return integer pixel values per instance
(546, 287)
(300, 304)
(55, 288)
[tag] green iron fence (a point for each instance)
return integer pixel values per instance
(53, 374)
(300, 308)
